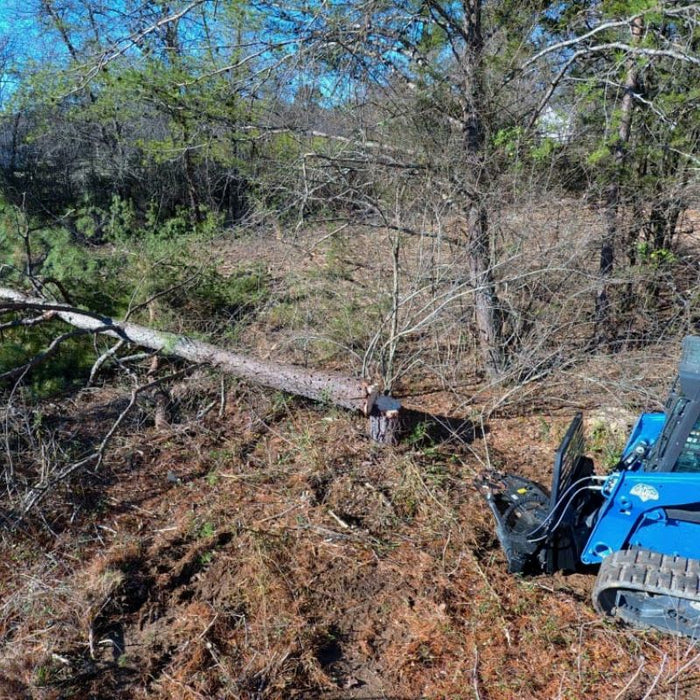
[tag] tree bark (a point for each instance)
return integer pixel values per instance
(161, 418)
(603, 323)
(385, 420)
(486, 304)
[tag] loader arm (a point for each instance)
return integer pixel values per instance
(656, 511)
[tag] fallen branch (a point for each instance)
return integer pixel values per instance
(26, 322)
(40, 357)
(321, 386)
(350, 393)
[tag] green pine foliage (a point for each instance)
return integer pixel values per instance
(160, 273)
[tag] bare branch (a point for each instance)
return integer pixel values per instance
(550, 90)
(46, 354)
(615, 45)
(37, 493)
(102, 359)
(24, 322)
(123, 45)
(360, 143)
(643, 51)
(556, 48)
(133, 309)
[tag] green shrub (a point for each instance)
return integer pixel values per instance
(68, 367)
(160, 272)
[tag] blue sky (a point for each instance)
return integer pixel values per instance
(18, 28)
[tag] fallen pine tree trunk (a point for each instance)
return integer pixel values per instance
(354, 394)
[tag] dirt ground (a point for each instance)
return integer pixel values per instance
(275, 552)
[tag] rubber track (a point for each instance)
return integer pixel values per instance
(644, 570)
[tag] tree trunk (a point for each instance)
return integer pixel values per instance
(486, 304)
(347, 392)
(385, 420)
(161, 397)
(603, 322)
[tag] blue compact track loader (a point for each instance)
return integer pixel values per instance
(640, 524)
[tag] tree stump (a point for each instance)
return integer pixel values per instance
(384, 420)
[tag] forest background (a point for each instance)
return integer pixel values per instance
(488, 208)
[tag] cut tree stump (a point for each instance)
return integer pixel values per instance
(385, 420)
